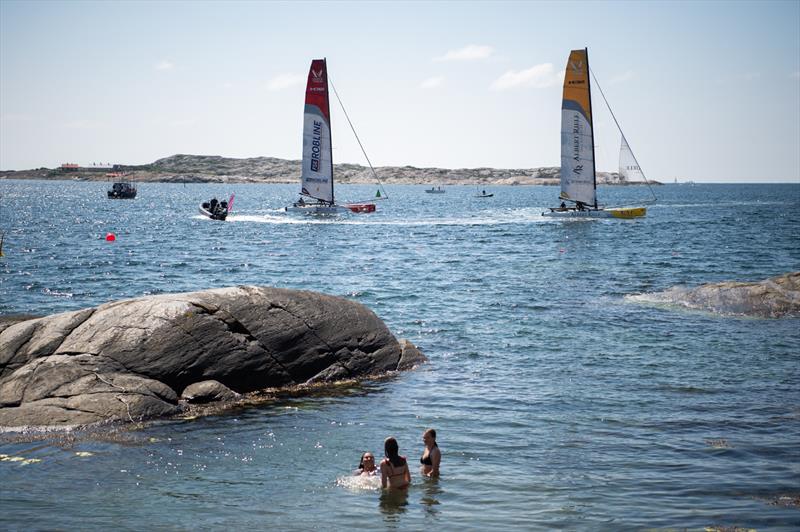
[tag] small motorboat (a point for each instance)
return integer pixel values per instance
(122, 191)
(216, 210)
(435, 190)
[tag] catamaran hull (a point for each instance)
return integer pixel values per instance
(326, 210)
(321, 210)
(625, 213)
(361, 208)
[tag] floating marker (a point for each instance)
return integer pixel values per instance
(110, 237)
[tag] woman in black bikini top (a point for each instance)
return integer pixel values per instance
(431, 456)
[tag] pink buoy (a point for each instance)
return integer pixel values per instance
(110, 237)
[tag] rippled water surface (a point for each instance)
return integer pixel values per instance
(559, 402)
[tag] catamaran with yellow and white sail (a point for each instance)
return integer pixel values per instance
(578, 174)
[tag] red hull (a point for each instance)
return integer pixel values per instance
(361, 207)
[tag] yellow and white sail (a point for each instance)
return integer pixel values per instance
(577, 139)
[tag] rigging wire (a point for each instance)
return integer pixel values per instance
(624, 138)
(375, 175)
(2, 233)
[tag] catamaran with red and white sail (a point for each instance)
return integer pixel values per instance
(316, 179)
(578, 176)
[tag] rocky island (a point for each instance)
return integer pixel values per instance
(216, 169)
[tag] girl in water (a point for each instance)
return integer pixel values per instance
(366, 467)
(394, 468)
(431, 456)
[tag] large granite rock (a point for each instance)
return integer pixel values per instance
(133, 359)
(775, 297)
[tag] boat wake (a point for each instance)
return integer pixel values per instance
(512, 216)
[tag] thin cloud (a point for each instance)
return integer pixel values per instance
(432, 83)
(537, 77)
(165, 65)
(622, 78)
(82, 124)
(284, 81)
(468, 53)
(186, 122)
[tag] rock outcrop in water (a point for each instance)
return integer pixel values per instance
(776, 297)
(134, 359)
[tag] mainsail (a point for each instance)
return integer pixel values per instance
(317, 175)
(628, 166)
(577, 138)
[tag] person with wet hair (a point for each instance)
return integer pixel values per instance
(366, 467)
(394, 468)
(431, 455)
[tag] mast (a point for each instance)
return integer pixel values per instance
(328, 106)
(591, 124)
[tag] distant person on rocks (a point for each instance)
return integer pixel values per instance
(394, 468)
(431, 455)
(366, 467)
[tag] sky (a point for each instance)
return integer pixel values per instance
(704, 91)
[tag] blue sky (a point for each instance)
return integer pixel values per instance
(705, 91)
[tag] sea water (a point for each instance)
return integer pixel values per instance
(561, 400)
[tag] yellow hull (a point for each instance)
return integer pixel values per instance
(628, 212)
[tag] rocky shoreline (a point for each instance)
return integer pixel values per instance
(187, 354)
(216, 169)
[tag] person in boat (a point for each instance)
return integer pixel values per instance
(394, 468)
(300, 202)
(222, 207)
(563, 206)
(366, 467)
(431, 456)
(581, 206)
(212, 205)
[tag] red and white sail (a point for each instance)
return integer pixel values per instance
(317, 175)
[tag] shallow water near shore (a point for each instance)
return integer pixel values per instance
(560, 401)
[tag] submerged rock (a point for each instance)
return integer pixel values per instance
(130, 360)
(776, 297)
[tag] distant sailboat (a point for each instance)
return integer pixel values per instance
(316, 180)
(578, 175)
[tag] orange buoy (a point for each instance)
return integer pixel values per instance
(110, 237)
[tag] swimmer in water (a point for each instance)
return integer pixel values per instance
(394, 468)
(366, 467)
(431, 456)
